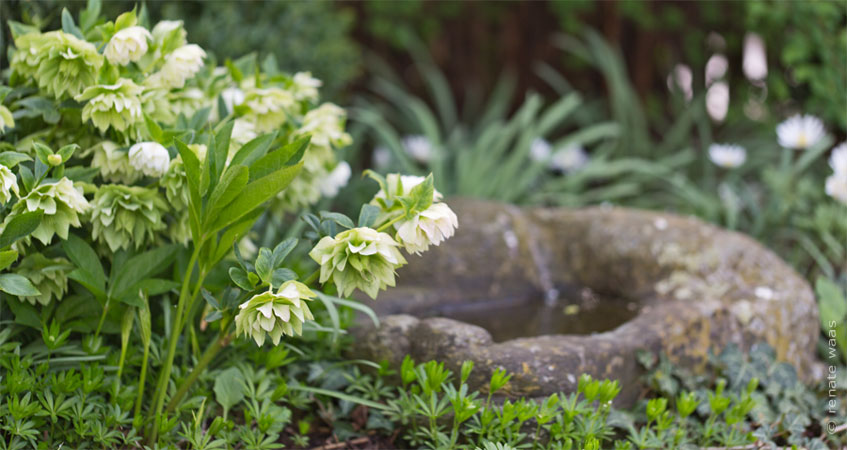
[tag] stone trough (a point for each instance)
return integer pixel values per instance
(549, 294)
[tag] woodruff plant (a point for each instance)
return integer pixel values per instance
(124, 155)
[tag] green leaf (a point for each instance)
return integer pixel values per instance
(42, 152)
(419, 198)
(219, 152)
(192, 173)
(286, 156)
(7, 258)
(125, 20)
(253, 150)
(20, 226)
(67, 151)
(211, 300)
(68, 25)
(88, 16)
(338, 218)
(282, 250)
(233, 233)
(12, 283)
(89, 270)
(282, 275)
(140, 267)
(263, 265)
(239, 277)
(833, 305)
(11, 159)
(25, 313)
(340, 395)
(153, 129)
(368, 215)
(230, 186)
(228, 389)
(255, 194)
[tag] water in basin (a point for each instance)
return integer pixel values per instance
(533, 316)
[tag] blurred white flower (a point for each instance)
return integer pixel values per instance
(800, 132)
(755, 62)
(398, 184)
(326, 126)
(683, 78)
(569, 159)
(717, 100)
(838, 159)
(232, 97)
(836, 187)
(540, 150)
(381, 157)
(336, 179)
(149, 158)
(305, 86)
(243, 131)
(418, 147)
(836, 184)
(716, 68)
(430, 227)
(164, 28)
(728, 156)
(180, 65)
(129, 44)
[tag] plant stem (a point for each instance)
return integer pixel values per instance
(165, 372)
(211, 351)
(141, 379)
(102, 317)
(386, 225)
(311, 278)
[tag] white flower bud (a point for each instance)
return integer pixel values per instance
(149, 158)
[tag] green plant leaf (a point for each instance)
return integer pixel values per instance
(20, 226)
(7, 258)
(368, 215)
(253, 150)
(239, 277)
(12, 283)
(341, 396)
(288, 155)
(231, 184)
(256, 193)
(89, 270)
(68, 25)
(833, 304)
(228, 388)
(140, 267)
(12, 159)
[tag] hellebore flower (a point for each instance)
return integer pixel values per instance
(430, 227)
(126, 216)
(150, 158)
(127, 45)
(49, 276)
(275, 314)
(326, 126)
(115, 105)
(6, 119)
(180, 65)
(113, 163)
(358, 258)
(8, 184)
(61, 64)
(61, 203)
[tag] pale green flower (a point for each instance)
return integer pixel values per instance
(169, 29)
(305, 188)
(305, 86)
(275, 314)
(180, 65)
(6, 119)
(269, 107)
(326, 126)
(358, 258)
(113, 163)
(429, 227)
(127, 45)
(49, 276)
(116, 105)
(156, 104)
(60, 63)
(61, 203)
(176, 184)
(8, 184)
(187, 101)
(126, 216)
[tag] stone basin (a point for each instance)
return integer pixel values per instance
(571, 291)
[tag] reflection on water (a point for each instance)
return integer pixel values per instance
(511, 318)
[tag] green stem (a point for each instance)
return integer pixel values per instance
(165, 373)
(312, 278)
(386, 225)
(102, 317)
(210, 353)
(141, 380)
